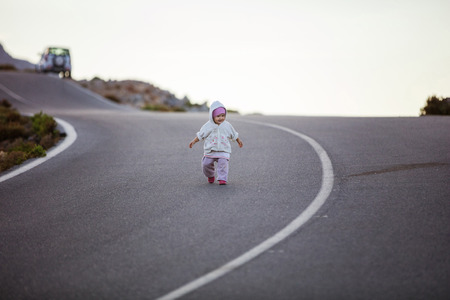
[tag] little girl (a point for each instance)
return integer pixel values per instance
(216, 132)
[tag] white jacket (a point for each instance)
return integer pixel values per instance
(217, 137)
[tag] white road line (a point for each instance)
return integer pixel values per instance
(316, 204)
(68, 140)
(14, 95)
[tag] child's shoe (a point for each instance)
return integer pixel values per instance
(211, 179)
(222, 182)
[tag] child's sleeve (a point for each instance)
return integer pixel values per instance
(233, 134)
(204, 132)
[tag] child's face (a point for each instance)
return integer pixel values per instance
(219, 119)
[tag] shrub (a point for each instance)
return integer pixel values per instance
(21, 145)
(163, 108)
(5, 103)
(179, 109)
(43, 124)
(47, 141)
(113, 98)
(19, 154)
(7, 67)
(17, 157)
(11, 131)
(436, 106)
(157, 107)
(37, 151)
(11, 122)
(13, 116)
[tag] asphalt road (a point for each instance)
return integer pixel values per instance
(126, 213)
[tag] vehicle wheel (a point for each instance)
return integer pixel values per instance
(67, 74)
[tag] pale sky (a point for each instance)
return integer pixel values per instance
(304, 57)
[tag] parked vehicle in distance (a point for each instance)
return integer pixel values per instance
(55, 60)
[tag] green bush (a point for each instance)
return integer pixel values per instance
(436, 106)
(21, 145)
(43, 124)
(37, 151)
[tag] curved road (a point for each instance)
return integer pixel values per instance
(125, 212)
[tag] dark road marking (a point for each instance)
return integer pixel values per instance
(399, 168)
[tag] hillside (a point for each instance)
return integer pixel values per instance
(19, 64)
(138, 94)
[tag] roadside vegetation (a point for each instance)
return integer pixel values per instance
(163, 108)
(23, 137)
(7, 67)
(436, 106)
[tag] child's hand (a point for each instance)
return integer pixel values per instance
(193, 142)
(238, 140)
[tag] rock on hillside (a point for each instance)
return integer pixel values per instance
(139, 94)
(19, 64)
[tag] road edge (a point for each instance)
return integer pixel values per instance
(71, 136)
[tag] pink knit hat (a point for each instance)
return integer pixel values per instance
(218, 111)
